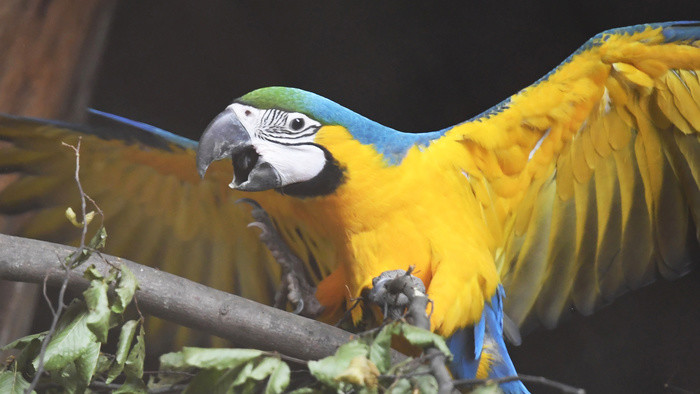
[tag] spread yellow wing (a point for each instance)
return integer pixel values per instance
(589, 179)
(157, 210)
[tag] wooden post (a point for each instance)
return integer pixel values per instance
(49, 50)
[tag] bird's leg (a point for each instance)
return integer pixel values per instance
(401, 294)
(294, 286)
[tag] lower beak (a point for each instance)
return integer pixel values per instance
(226, 137)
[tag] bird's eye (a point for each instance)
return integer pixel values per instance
(297, 124)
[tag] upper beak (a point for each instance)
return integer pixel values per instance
(226, 137)
(223, 136)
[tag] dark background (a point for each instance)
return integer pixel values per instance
(416, 67)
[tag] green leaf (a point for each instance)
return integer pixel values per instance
(218, 358)
(126, 287)
(132, 385)
(424, 338)
(487, 389)
(85, 366)
(425, 383)
(243, 374)
(72, 338)
(279, 379)
(29, 353)
(66, 379)
(173, 361)
(326, 369)
(97, 302)
(98, 240)
(403, 386)
(170, 366)
(265, 368)
(73, 218)
(126, 336)
(12, 381)
(361, 372)
(104, 363)
(380, 349)
(92, 273)
(211, 381)
(133, 366)
(23, 342)
(305, 390)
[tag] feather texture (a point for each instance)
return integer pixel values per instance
(621, 120)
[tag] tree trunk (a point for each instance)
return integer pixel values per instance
(50, 50)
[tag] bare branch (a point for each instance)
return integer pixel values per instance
(563, 388)
(244, 322)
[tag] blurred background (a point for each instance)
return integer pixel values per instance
(416, 67)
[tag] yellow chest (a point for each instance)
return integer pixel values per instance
(387, 217)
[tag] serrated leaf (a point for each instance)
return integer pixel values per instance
(326, 369)
(487, 389)
(380, 349)
(98, 240)
(133, 366)
(170, 366)
(360, 372)
(425, 383)
(305, 390)
(132, 386)
(104, 363)
(173, 361)
(23, 342)
(72, 338)
(279, 379)
(126, 336)
(29, 353)
(12, 382)
(218, 358)
(424, 338)
(66, 379)
(402, 386)
(264, 368)
(126, 287)
(211, 381)
(92, 273)
(243, 374)
(97, 302)
(85, 366)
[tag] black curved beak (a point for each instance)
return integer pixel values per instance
(226, 137)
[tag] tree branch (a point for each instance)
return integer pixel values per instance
(170, 297)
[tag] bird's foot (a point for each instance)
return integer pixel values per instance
(394, 291)
(294, 286)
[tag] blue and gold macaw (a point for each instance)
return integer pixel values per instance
(576, 189)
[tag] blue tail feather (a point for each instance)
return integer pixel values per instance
(485, 337)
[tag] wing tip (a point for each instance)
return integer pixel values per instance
(171, 137)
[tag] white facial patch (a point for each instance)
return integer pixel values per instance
(294, 163)
(283, 139)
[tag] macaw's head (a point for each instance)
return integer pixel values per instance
(272, 137)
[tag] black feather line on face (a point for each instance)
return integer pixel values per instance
(326, 182)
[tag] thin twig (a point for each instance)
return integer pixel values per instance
(348, 312)
(287, 358)
(564, 388)
(56, 312)
(160, 390)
